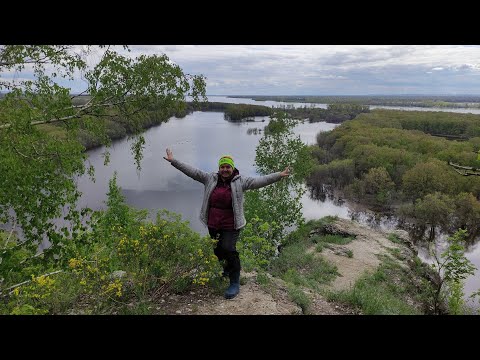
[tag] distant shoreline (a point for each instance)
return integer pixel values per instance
(427, 101)
(438, 101)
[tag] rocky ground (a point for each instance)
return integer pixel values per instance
(258, 299)
(254, 299)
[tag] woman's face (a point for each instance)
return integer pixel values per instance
(226, 170)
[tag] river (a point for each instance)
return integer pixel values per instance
(200, 139)
(270, 103)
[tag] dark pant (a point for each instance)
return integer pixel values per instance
(226, 248)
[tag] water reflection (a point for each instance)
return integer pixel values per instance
(324, 194)
(199, 139)
(427, 248)
(254, 131)
(322, 201)
(374, 220)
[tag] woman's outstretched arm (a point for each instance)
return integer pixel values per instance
(261, 181)
(190, 171)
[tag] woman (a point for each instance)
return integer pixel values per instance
(222, 209)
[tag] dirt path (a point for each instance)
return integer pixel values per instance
(366, 248)
(253, 299)
(257, 299)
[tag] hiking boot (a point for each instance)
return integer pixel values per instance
(234, 287)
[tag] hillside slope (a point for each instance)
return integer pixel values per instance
(271, 297)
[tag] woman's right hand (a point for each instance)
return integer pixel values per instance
(169, 155)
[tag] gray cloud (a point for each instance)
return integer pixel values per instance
(342, 70)
(326, 69)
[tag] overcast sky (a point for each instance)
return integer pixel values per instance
(328, 69)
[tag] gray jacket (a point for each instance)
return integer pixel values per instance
(239, 184)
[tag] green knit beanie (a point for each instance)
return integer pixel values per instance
(226, 159)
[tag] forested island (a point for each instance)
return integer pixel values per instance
(390, 160)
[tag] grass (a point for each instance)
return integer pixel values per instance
(394, 238)
(141, 308)
(336, 239)
(302, 233)
(397, 253)
(263, 279)
(295, 266)
(301, 269)
(320, 247)
(391, 289)
(383, 292)
(299, 298)
(323, 242)
(265, 282)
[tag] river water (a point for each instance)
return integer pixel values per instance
(269, 103)
(199, 139)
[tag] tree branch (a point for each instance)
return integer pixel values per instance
(20, 153)
(83, 110)
(11, 288)
(459, 166)
(467, 170)
(41, 60)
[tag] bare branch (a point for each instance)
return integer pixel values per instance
(467, 170)
(20, 153)
(459, 166)
(75, 96)
(11, 288)
(83, 110)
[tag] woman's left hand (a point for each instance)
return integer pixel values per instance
(285, 172)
